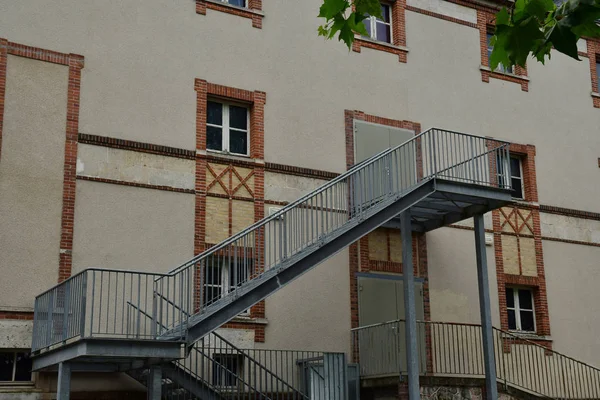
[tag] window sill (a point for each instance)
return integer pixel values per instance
(255, 15)
(243, 319)
(595, 94)
(487, 73)
(360, 42)
(7, 387)
(596, 98)
(228, 157)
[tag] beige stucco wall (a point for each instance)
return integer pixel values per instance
(131, 228)
(312, 312)
(572, 277)
(454, 295)
(570, 228)
(31, 178)
(136, 167)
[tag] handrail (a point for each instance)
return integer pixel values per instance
(456, 349)
(267, 246)
(240, 351)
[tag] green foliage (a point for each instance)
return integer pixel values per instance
(528, 28)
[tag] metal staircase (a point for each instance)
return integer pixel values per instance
(440, 176)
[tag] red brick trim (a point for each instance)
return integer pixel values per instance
(134, 184)
(484, 20)
(3, 60)
(136, 146)
(552, 239)
(385, 266)
(37, 53)
(21, 315)
(441, 16)
(68, 209)
(570, 212)
(593, 51)
(300, 171)
(253, 11)
(75, 63)
(256, 100)
(398, 45)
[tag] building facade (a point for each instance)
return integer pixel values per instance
(134, 135)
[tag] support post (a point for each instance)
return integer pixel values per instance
(155, 383)
(412, 356)
(63, 390)
(485, 310)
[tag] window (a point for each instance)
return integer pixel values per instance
(380, 29)
(519, 303)
(227, 128)
(15, 366)
(490, 48)
(226, 370)
(514, 166)
(223, 275)
(239, 3)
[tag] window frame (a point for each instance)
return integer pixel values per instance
(506, 166)
(373, 21)
(225, 127)
(500, 68)
(223, 372)
(233, 5)
(15, 352)
(224, 286)
(517, 309)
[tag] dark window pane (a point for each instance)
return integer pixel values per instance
(6, 366)
(214, 138)
(212, 273)
(225, 370)
(383, 32)
(215, 113)
(238, 117)
(527, 323)
(517, 188)
(515, 167)
(239, 3)
(238, 142)
(367, 22)
(512, 321)
(23, 372)
(211, 294)
(510, 299)
(385, 12)
(525, 301)
(239, 273)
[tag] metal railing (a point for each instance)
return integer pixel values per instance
(219, 275)
(229, 269)
(455, 349)
(94, 303)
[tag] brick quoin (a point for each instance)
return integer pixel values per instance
(18, 315)
(593, 53)
(75, 63)
(256, 101)
(536, 283)
(359, 259)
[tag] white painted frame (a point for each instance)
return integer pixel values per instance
(517, 308)
(373, 21)
(224, 284)
(226, 129)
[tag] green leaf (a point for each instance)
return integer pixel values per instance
(503, 17)
(330, 8)
(564, 40)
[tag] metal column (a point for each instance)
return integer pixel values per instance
(63, 390)
(485, 310)
(155, 383)
(412, 356)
